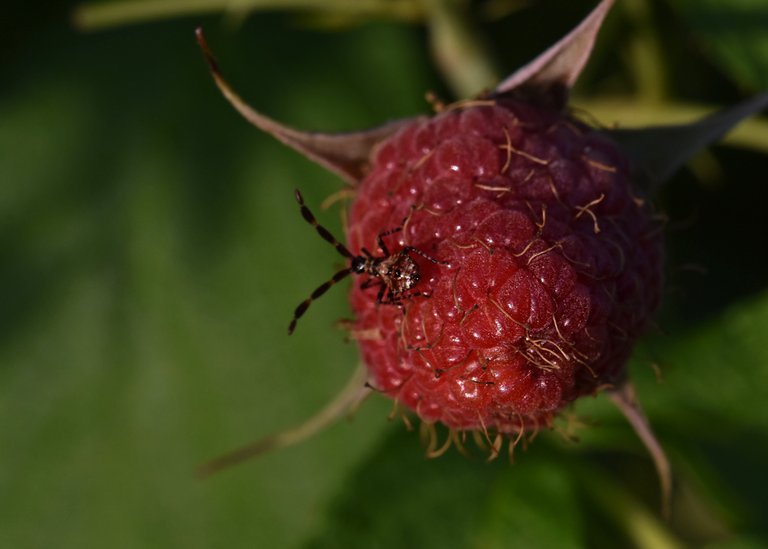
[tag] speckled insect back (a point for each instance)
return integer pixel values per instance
(552, 265)
(393, 274)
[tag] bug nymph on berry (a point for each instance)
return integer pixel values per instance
(395, 274)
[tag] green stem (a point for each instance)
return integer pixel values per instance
(458, 48)
(345, 402)
(645, 53)
(641, 526)
(123, 12)
(750, 134)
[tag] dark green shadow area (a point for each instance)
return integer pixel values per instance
(714, 234)
(398, 498)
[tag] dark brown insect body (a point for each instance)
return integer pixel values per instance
(395, 274)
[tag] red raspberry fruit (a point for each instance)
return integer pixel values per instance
(551, 265)
(532, 264)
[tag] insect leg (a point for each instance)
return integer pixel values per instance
(370, 282)
(398, 298)
(410, 249)
(380, 239)
(381, 293)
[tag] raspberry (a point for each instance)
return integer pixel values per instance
(550, 265)
(536, 264)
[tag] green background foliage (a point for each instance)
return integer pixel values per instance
(151, 253)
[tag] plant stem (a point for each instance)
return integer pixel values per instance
(645, 53)
(458, 49)
(123, 12)
(751, 133)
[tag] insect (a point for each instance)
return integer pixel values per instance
(395, 273)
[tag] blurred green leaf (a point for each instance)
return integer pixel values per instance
(151, 254)
(524, 504)
(714, 370)
(98, 15)
(733, 31)
(400, 499)
(548, 498)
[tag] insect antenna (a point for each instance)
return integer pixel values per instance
(340, 275)
(320, 290)
(324, 233)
